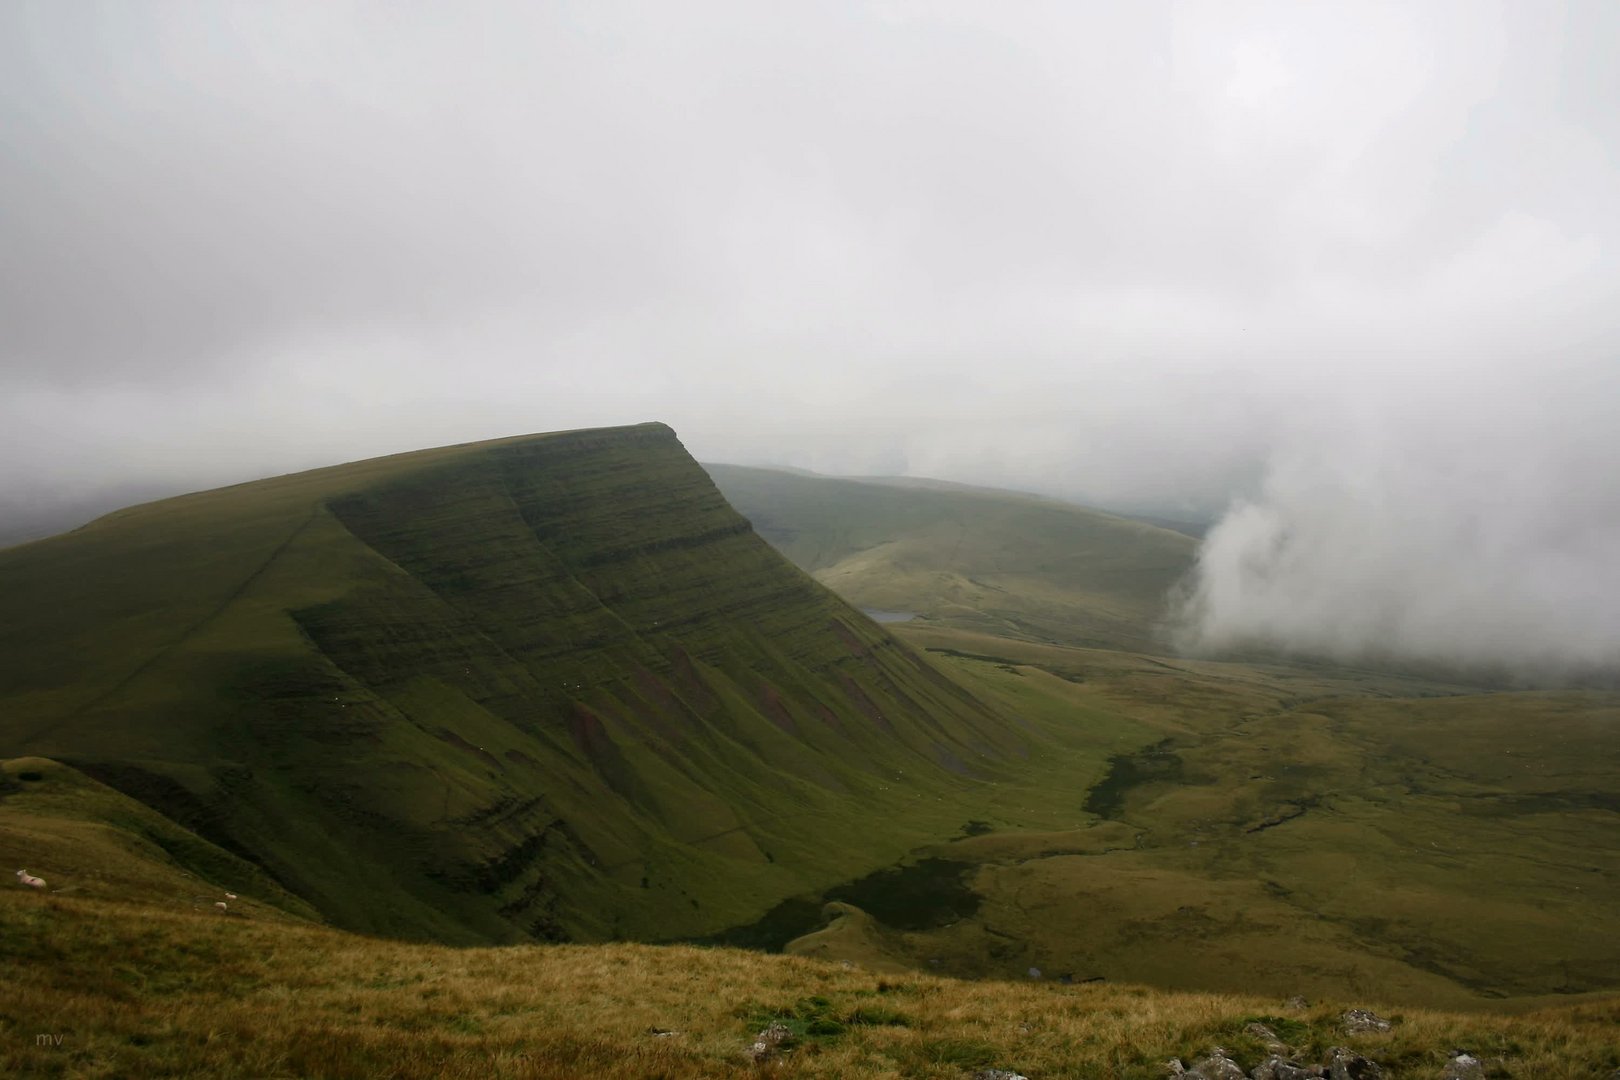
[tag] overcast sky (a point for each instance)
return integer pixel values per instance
(1355, 263)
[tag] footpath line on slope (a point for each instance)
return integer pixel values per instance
(191, 631)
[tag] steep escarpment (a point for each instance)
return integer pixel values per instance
(547, 687)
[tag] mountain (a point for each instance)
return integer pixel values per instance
(998, 562)
(548, 687)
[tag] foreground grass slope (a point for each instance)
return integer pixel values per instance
(997, 562)
(221, 996)
(551, 686)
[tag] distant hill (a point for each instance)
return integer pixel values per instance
(545, 687)
(1010, 564)
(24, 518)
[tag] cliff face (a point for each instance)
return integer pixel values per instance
(546, 687)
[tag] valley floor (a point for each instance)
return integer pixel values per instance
(1224, 827)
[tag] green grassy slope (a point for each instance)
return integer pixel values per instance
(547, 686)
(88, 841)
(1003, 563)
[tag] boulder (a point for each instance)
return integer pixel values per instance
(1217, 1066)
(1346, 1064)
(1463, 1066)
(1363, 1022)
(768, 1041)
(1279, 1068)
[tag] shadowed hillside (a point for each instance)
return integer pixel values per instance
(545, 687)
(996, 562)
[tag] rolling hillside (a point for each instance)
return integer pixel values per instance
(997, 562)
(123, 967)
(547, 687)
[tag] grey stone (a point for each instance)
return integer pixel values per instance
(1463, 1066)
(1279, 1068)
(1363, 1022)
(1346, 1064)
(768, 1041)
(1217, 1066)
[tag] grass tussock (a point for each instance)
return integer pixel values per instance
(119, 990)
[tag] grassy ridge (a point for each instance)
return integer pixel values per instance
(997, 562)
(545, 687)
(202, 994)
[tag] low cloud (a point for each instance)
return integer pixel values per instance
(1474, 529)
(1354, 263)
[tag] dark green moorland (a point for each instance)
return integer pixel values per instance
(556, 688)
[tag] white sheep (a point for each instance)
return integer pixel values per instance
(230, 896)
(25, 878)
(220, 904)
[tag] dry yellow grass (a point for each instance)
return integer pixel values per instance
(137, 991)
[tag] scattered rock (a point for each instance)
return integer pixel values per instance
(768, 1041)
(998, 1074)
(1267, 1036)
(1363, 1022)
(1296, 1004)
(1067, 978)
(1346, 1064)
(661, 1033)
(1463, 1066)
(1174, 1067)
(1034, 972)
(1280, 1068)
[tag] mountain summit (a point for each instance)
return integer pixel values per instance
(547, 687)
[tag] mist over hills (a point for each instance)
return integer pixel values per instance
(1295, 673)
(1471, 520)
(558, 688)
(974, 558)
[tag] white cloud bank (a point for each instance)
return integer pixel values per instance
(1478, 529)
